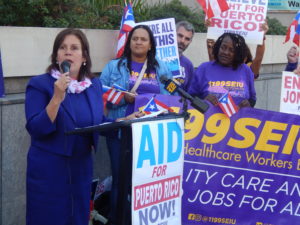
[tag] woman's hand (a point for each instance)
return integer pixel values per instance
(135, 115)
(244, 103)
(264, 27)
(60, 87)
(297, 70)
(207, 23)
(212, 99)
(130, 97)
(59, 95)
(132, 116)
(292, 55)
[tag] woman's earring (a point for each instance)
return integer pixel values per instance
(84, 63)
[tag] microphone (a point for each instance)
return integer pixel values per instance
(65, 66)
(172, 87)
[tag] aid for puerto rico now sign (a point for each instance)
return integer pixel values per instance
(244, 17)
(241, 170)
(157, 170)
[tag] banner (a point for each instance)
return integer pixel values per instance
(157, 172)
(284, 5)
(243, 18)
(164, 32)
(243, 170)
(290, 93)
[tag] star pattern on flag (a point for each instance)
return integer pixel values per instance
(155, 105)
(227, 105)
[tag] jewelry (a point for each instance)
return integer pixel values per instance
(74, 87)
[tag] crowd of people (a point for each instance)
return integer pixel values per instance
(59, 167)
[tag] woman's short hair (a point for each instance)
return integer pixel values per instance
(152, 62)
(85, 70)
(240, 48)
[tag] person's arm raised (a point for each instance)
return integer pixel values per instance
(60, 87)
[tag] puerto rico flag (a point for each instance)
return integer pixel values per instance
(227, 105)
(213, 8)
(127, 24)
(113, 94)
(154, 106)
(293, 32)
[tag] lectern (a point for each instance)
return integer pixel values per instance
(168, 129)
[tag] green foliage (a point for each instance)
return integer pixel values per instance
(174, 9)
(44, 13)
(103, 14)
(275, 27)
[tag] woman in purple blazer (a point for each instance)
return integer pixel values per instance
(59, 167)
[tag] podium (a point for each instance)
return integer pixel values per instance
(124, 209)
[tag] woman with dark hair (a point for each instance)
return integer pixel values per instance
(227, 74)
(253, 63)
(139, 72)
(59, 167)
(139, 52)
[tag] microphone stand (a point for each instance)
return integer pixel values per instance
(185, 113)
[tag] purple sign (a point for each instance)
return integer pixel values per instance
(244, 170)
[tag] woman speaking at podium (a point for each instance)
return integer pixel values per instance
(59, 167)
(139, 72)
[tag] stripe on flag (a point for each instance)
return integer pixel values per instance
(213, 8)
(113, 94)
(227, 105)
(127, 23)
(154, 106)
(293, 32)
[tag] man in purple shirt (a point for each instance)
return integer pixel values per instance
(185, 32)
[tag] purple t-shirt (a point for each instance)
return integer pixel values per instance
(187, 71)
(213, 78)
(149, 83)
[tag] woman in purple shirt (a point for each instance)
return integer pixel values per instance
(227, 74)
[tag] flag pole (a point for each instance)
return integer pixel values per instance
(298, 53)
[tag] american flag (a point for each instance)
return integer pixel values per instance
(213, 8)
(127, 24)
(227, 105)
(113, 94)
(154, 106)
(293, 32)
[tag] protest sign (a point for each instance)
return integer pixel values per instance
(290, 93)
(157, 172)
(243, 18)
(164, 32)
(240, 170)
